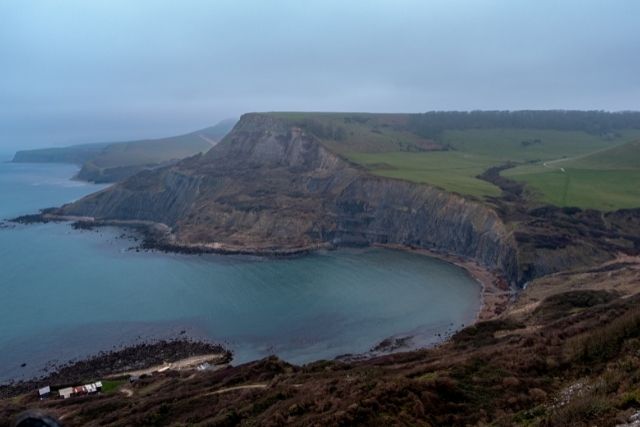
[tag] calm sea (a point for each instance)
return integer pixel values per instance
(66, 294)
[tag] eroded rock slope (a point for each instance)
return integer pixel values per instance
(272, 186)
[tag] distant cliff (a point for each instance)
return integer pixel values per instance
(272, 186)
(76, 154)
(111, 162)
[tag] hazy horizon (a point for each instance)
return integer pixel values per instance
(78, 72)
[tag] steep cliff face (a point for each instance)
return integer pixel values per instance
(377, 210)
(271, 185)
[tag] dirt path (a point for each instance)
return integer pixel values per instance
(239, 387)
(581, 156)
(182, 364)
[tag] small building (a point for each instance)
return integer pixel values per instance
(44, 392)
(66, 392)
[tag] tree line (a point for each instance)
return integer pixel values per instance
(431, 124)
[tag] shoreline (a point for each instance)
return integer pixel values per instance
(495, 293)
(145, 357)
(158, 236)
(496, 296)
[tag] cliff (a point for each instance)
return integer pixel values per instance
(76, 154)
(115, 161)
(272, 186)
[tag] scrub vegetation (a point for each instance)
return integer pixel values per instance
(570, 358)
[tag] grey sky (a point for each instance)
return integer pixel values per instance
(85, 71)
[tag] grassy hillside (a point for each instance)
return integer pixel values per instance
(107, 162)
(154, 150)
(471, 152)
(451, 170)
(606, 180)
(77, 154)
(395, 146)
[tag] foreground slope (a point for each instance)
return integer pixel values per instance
(566, 356)
(109, 162)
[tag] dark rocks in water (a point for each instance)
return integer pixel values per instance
(83, 225)
(391, 344)
(42, 217)
(31, 219)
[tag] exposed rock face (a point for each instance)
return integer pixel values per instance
(378, 210)
(91, 173)
(268, 185)
(552, 239)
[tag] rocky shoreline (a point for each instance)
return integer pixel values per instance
(158, 237)
(496, 293)
(111, 363)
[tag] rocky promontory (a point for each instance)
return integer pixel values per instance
(272, 186)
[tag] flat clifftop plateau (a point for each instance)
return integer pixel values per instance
(270, 185)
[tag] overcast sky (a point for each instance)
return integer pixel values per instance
(87, 71)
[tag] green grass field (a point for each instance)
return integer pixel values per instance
(519, 145)
(604, 180)
(450, 170)
(600, 172)
(474, 151)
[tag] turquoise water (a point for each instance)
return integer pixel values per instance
(65, 294)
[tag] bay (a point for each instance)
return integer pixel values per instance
(66, 294)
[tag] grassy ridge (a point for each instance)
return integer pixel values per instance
(152, 151)
(109, 162)
(362, 132)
